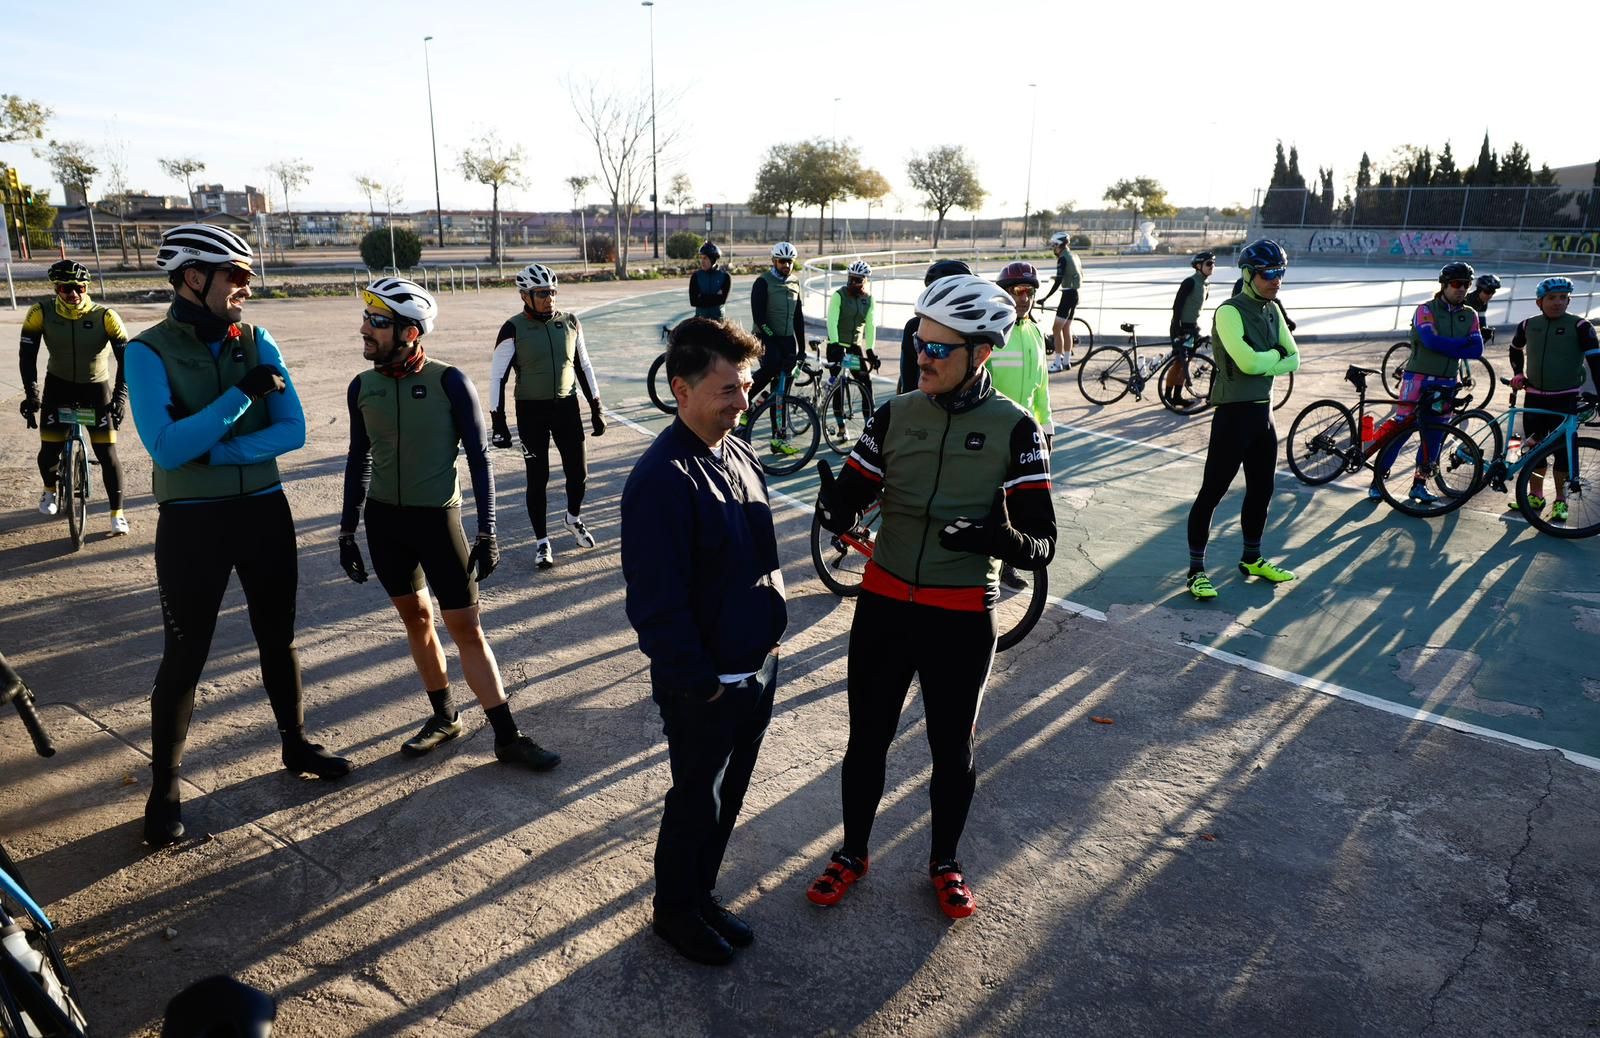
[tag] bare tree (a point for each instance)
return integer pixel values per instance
(113, 157)
(71, 162)
(948, 178)
(492, 163)
(291, 175)
(21, 119)
(618, 124)
(679, 192)
(373, 189)
(578, 185)
(779, 185)
(183, 168)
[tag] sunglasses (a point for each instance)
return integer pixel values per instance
(70, 290)
(543, 293)
(784, 262)
(1273, 273)
(236, 276)
(377, 321)
(939, 350)
(857, 281)
(1460, 284)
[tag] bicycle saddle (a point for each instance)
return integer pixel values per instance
(1365, 371)
(1127, 328)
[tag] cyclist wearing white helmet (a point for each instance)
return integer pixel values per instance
(545, 348)
(780, 324)
(1549, 353)
(709, 286)
(215, 407)
(853, 325)
(1069, 278)
(410, 417)
(964, 482)
(81, 338)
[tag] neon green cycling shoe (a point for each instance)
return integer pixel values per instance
(1266, 570)
(1535, 502)
(783, 447)
(1558, 512)
(1200, 586)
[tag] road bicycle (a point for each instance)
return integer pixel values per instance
(841, 562)
(1475, 377)
(1109, 373)
(72, 470)
(781, 428)
(840, 394)
(1507, 458)
(1324, 443)
(656, 382)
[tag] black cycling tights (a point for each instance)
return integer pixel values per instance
(1241, 435)
(950, 652)
(104, 453)
(538, 422)
(197, 547)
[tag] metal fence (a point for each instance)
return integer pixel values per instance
(1442, 208)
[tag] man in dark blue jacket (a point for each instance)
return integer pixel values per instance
(705, 595)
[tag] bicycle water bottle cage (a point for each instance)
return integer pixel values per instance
(1127, 328)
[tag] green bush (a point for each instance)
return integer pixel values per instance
(683, 245)
(602, 249)
(1081, 241)
(375, 249)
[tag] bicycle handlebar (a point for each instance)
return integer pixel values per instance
(15, 691)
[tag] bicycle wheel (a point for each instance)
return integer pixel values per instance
(73, 476)
(38, 997)
(790, 444)
(1483, 429)
(1282, 390)
(1104, 375)
(844, 415)
(1322, 442)
(660, 391)
(1478, 379)
(1431, 470)
(1016, 612)
(841, 558)
(1194, 394)
(1082, 335)
(1582, 487)
(1394, 368)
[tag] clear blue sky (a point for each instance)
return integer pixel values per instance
(1194, 95)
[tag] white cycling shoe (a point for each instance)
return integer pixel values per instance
(119, 526)
(47, 503)
(580, 532)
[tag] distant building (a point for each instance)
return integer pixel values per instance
(216, 199)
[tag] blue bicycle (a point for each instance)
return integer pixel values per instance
(1575, 510)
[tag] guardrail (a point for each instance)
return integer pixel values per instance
(432, 278)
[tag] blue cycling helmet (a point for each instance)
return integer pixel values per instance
(1555, 284)
(1263, 254)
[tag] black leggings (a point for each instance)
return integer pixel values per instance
(1241, 435)
(950, 652)
(197, 547)
(104, 453)
(538, 422)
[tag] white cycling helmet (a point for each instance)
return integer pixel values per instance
(202, 243)
(535, 275)
(783, 250)
(980, 310)
(406, 299)
(1058, 238)
(860, 269)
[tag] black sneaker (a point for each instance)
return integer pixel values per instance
(307, 758)
(436, 731)
(163, 821)
(728, 926)
(693, 937)
(1012, 579)
(523, 750)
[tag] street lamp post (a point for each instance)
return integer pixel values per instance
(1027, 198)
(438, 204)
(655, 192)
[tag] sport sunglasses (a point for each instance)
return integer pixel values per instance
(377, 321)
(941, 350)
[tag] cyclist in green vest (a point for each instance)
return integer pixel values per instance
(215, 407)
(410, 416)
(80, 337)
(1019, 372)
(1185, 326)
(545, 348)
(709, 286)
(853, 327)
(1255, 347)
(780, 324)
(1069, 279)
(964, 482)
(1479, 298)
(1548, 355)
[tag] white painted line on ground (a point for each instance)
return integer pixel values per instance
(1129, 441)
(1087, 612)
(1409, 713)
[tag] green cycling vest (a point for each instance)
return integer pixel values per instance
(414, 438)
(783, 299)
(1018, 370)
(547, 353)
(1230, 385)
(852, 317)
(195, 379)
(1190, 314)
(1069, 271)
(79, 348)
(937, 468)
(1555, 354)
(1448, 324)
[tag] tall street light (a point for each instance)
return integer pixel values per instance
(1027, 199)
(438, 205)
(655, 193)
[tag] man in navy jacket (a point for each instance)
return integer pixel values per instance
(705, 596)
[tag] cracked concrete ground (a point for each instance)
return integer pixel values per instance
(1232, 854)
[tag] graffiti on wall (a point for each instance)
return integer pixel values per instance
(1587, 244)
(1430, 243)
(1345, 242)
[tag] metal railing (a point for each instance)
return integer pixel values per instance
(1575, 212)
(433, 278)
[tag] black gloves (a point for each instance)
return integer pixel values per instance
(984, 536)
(119, 406)
(30, 406)
(833, 518)
(261, 380)
(484, 558)
(873, 363)
(500, 436)
(350, 558)
(597, 422)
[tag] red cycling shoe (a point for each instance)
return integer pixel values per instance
(955, 897)
(842, 871)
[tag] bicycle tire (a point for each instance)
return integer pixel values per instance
(844, 415)
(658, 369)
(1202, 370)
(1105, 375)
(1086, 339)
(72, 474)
(1479, 375)
(847, 568)
(1583, 489)
(1322, 433)
(48, 998)
(1394, 368)
(1282, 390)
(799, 423)
(1455, 479)
(1484, 430)
(1009, 634)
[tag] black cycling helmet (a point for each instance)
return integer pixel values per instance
(944, 269)
(709, 249)
(1456, 271)
(1020, 272)
(1202, 257)
(1488, 282)
(1263, 254)
(69, 272)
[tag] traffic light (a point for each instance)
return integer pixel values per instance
(13, 186)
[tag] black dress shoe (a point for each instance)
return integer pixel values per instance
(731, 928)
(693, 938)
